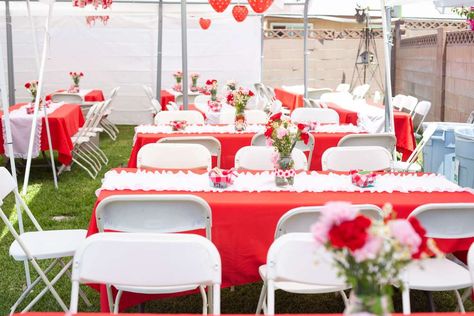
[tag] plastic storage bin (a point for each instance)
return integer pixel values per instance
(438, 153)
(465, 156)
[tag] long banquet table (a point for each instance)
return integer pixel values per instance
(95, 95)
(64, 122)
(243, 223)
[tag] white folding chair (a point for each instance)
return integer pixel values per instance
(398, 101)
(256, 117)
(323, 116)
(134, 213)
(316, 94)
(470, 119)
(31, 247)
(260, 140)
(148, 92)
(174, 156)
(293, 258)
(259, 158)
(276, 107)
(343, 87)
(385, 140)
(70, 98)
(411, 164)
(371, 158)
(419, 115)
(318, 104)
(447, 221)
(211, 143)
(109, 128)
(339, 98)
(299, 220)
(359, 92)
(470, 262)
(155, 104)
(146, 261)
(190, 116)
(409, 104)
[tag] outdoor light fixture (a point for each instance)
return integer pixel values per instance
(360, 15)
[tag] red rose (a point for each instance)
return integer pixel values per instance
(230, 98)
(27, 85)
(301, 126)
(208, 82)
(351, 234)
(251, 93)
(420, 230)
(305, 138)
(276, 117)
(70, 73)
(81, 74)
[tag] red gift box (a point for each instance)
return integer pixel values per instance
(222, 178)
(363, 179)
(178, 125)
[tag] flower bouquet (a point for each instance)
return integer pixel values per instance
(178, 125)
(32, 87)
(76, 79)
(283, 135)
(220, 178)
(178, 76)
(211, 86)
(370, 254)
(194, 78)
(240, 98)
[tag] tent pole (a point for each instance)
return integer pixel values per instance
(10, 66)
(33, 33)
(387, 37)
(37, 100)
(159, 56)
(305, 47)
(184, 53)
(262, 39)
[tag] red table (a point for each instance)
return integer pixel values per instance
(166, 98)
(64, 122)
(231, 143)
(93, 96)
(404, 130)
(243, 224)
(289, 99)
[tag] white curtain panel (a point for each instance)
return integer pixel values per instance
(123, 52)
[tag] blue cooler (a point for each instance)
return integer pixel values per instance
(438, 153)
(465, 156)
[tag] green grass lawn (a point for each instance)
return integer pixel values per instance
(71, 207)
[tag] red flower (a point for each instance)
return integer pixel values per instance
(420, 230)
(70, 73)
(304, 138)
(351, 234)
(27, 85)
(210, 82)
(230, 98)
(251, 93)
(276, 117)
(301, 126)
(81, 74)
(268, 132)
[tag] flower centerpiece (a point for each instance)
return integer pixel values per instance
(178, 76)
(211, 86)
(283, 135)
(467, 13)
(370, 254)
(32, 87)
(76, 79)
(240, 98)
(194, 78)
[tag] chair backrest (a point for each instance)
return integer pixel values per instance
(470, 119)
(71, 98)
(174, 156)
(270, 93)
(343, 87)
(359, 92)
(470, 261)
(338, 98)
(157, 213)
(446, 220)
(385, 140)
(398, 101)
(7, 185)
(211, 143)
(409, 104)
(113, 93)
(256, 117)
(276, 106)
(148, 92)
(295, 258)
(146, 261)
(190, 116)
(156, 105)
(323, 116)
(317, 93)
(260, 158)
(420, 112)
(300, 219)
(427, 133)
(371, 158)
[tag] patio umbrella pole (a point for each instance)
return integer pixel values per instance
(159, 56)
(305, 47)
(184, 53)
(387, 38)
(36, 107)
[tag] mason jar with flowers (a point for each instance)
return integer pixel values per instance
(211, 86)
(194, 79)
(283, 135)
(240, 99)
(370, 254)
(76, 79)
(32, 87)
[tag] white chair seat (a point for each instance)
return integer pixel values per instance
(157, 290)
(437, 274)
(49, 244)
(80, 140)
(300, 288)
(403, 166)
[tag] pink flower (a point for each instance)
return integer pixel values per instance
(281, 132)
(268, 141)
(404, 233)
(275, 158)
(333, 213)
(370, 250)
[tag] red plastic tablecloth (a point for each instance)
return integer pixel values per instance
(243, 224)
(231, 143)
(166, 97)
(64, 122)
(404, 130)
(93, 96)
(289, 99)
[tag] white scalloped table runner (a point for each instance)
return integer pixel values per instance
(188, 181)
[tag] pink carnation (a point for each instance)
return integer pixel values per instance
(333, 213)
(281, 132)
(404, 233)
(370, 250)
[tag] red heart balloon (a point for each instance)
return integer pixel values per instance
(260, 6)
(219, 5)
(205, 23)
(240, 12)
